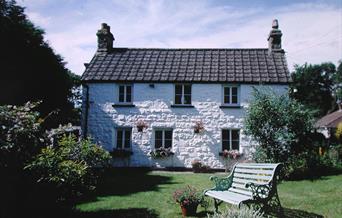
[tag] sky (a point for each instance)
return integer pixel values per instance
(312, 30)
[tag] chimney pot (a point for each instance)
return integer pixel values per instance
(274, 38)
(104, 39)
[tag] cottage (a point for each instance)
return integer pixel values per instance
(191, 102)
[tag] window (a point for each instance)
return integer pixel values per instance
(183, 94)
(230, 139)
(230, 95)
(125, 93)
(123, 138)
(163, 138)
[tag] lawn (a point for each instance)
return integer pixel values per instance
(149, 194)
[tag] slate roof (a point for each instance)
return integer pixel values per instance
(330, 120)
(188, 65)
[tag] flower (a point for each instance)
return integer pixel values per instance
(188, 196)
(234, 154)
(161, 152)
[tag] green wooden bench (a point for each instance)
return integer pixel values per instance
(248, 183)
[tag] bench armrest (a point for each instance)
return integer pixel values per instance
(221, 183)
(260, 191)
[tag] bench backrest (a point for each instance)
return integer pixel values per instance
(259, 173)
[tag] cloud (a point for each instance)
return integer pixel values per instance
(311, 32)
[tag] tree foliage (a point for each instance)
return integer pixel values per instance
(30, 70)
(280, 125)
(317, 86)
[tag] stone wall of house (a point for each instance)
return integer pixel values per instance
(153, 105)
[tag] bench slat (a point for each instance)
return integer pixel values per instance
(243, 192)
(244, 170)
(245, 181)
(241, 186)
(249, 176)
(227, 196)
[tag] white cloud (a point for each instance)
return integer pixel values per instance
(311, 33)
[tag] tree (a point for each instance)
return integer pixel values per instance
(284, 129)
(30, 70)
(314, 86)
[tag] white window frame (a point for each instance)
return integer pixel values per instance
(182, 96)
(125, 94)
(231, 95)
(163, 137)
(230, 138)
(123, 129)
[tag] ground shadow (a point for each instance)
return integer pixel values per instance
(119, 213)
(128, 181)
(294, 213)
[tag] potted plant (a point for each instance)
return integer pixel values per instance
(121, 153)
(228, 155)
(141, 125)
(199, 127)
(189, 198)
(161, 152)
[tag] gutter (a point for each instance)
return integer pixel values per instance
(85, 133)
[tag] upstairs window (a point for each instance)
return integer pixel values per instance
(230, 95)
(230, 139)
(123, 138)
(125, 94)
(183, 94)
(163, 138)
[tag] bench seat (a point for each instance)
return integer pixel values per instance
(228, 196)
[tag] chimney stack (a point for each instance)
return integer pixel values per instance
(274, 38)
(104, 39)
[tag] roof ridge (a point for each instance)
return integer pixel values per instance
(134, 48)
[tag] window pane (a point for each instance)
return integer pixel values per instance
(168, 135)
(178, 99)
(178, 89)
(225, 134)
(128, 98)
(234, 90)
(127, 138)
(158, 143)
(187, 89)
(227, 95)
(235, 139)
(121, 90)
(225, 145)
(119, 139)
(226, 99)
(187, 99)
(235, 134)
(168, 143)
(235, 145)
(234, 99)
(159, 135)
(121, 98)
(128, 90)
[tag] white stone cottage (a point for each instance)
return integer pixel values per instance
(170, 90)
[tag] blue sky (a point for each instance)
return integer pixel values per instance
(312, 30)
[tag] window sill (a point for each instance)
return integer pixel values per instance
(182, 106)
(231, 106)
(123, 105)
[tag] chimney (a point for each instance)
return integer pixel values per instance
(104, 39)
(274, 38)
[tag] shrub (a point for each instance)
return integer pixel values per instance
(199, 167)
(70, 167)
(235, 212)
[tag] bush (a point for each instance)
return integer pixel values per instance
(235, 212)
(70, 168)
(199, 167)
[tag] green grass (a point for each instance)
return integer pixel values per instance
(149, 194)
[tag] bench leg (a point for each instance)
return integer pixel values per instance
(217, 203)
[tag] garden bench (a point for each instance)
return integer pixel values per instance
(247, 183)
